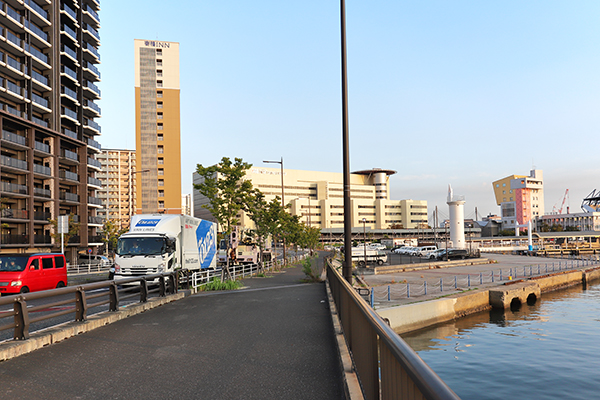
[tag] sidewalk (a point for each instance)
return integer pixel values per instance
(273, 339)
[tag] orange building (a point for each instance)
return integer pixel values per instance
(157, 130)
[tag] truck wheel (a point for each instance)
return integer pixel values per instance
(379, 262)
(361, 263)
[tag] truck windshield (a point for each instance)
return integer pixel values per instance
(141, 246)
(13, 263)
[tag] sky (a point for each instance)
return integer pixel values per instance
(443, 92)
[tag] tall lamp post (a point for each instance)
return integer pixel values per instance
(282, 199)
(364, 221)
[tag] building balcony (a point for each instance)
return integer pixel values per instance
(94, 164)
(69, 114)
(70, 33)
(95, 202)
(13, 140)
(95, 239)
(37, 11)
(95, 220)
(69, 73)
(96, 183)
(39, 192)
(40, 81)
(69, 197)
(69, 94)
(8, 213)
(94, 145)
(14, 239)
(90, 53)
(42, 216)
(89, 86)
(91, 70)
(38, 34)
(70, 156)
(68, 175)
(41, 147)
(90, 15)
(13, 164)
(91, 125)
(66, 10)
(13, 188)
(38, 56)
(41, 170)
(92, 108)
(42, 239)
(69, 53)
(70, 133)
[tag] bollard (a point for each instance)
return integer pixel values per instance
(493, 276)
(441, 285)
(372, 297)
(469, 280)
(538, 269)
(389, 293)
(455, 286)
(499, 274)
(425, 286)
(407, 290)
(481, 278)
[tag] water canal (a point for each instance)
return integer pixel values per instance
(549, 350)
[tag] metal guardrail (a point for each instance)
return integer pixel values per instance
(202, 278)
(386, 366)
(21, 312)
(87, 268)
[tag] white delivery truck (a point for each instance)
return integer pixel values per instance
(159, 243)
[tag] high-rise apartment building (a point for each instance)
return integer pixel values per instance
(118, 179)
(521, 198)
(48, 75)
(157, 135)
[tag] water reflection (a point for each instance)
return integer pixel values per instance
(539, 351)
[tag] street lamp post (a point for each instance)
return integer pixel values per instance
(364, 221)
(282, 200)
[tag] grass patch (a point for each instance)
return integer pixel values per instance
(216, 284)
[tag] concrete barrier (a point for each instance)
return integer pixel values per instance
(39, 339)
(503, 296)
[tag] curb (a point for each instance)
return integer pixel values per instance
(14, 348)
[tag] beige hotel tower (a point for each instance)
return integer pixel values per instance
(157, 128)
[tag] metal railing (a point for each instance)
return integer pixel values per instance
(202, 278)
(80, 303)
(386, 366)
(381, 294)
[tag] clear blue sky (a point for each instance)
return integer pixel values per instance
(444, 92)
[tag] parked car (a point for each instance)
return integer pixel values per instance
(95, 260)
(423, 250)
(434, 255)
(453, 254)
(396, 248)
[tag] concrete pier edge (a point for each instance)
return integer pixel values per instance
(14, 348)
(411, 317)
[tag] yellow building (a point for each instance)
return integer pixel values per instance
(318, 198)
(158, 144)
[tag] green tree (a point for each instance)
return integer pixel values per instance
(266, 217)
(111, 232)
(73, 230)
(227, 192)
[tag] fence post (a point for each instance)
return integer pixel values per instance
(143, 290)
(469, 280)
(455, 286)
(481, 278)
(372, 297)
(21, 319)
(80, 305)
(389, 294)
(407, 290)
(113, 296)
(441, 284)
(425, 286)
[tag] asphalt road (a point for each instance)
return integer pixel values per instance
(273, 339)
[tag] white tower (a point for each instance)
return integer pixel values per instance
(457, 219)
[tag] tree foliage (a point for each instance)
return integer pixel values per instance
(111, 231)
(73, 230)
(227, 191)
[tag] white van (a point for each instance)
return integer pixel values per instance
(423, 250)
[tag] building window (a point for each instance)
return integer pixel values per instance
(159, 73)
(161, 172)
(161, 182)
(159, 94)
(159, 115)
(161, 149)
(504, 192)
(159, 104)
(159, 83)
(161, 204)
(160, 137)
(161, 161)
(159, 52)
(161, 193)
(159, 126)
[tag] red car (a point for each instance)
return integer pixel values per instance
(22, 273)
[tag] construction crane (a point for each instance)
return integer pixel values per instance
(565, 197)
